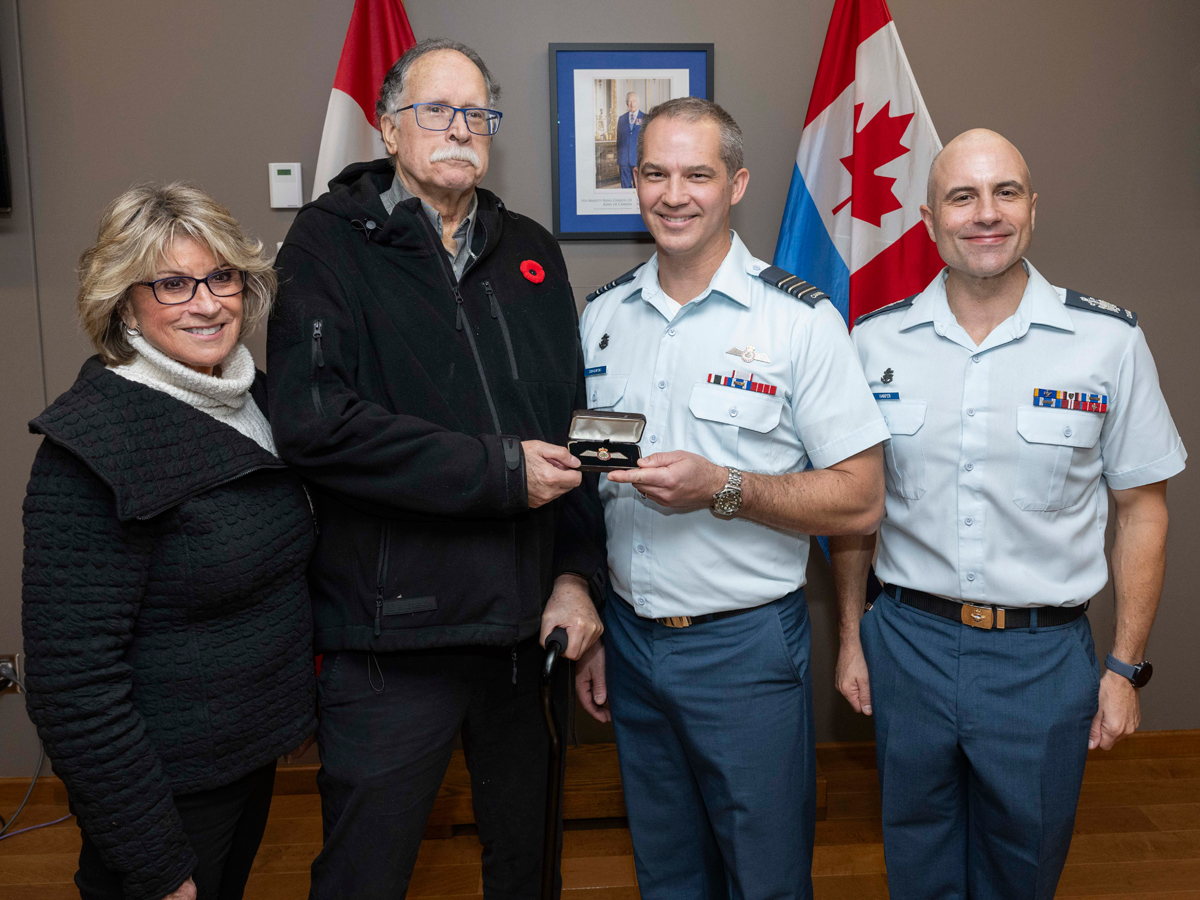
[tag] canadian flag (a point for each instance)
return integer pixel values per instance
(852, 223)
(379, 34)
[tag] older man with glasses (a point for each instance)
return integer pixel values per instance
(424, 365)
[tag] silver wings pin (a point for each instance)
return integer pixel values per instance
(748, 355)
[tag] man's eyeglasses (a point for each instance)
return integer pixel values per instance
(438, 116)
(176, 289)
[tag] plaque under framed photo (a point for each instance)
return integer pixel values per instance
(599, 95)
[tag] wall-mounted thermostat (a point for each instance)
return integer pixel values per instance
(286, 185)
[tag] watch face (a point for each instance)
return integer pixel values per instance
(1142, 676)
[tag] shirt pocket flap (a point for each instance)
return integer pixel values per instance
(731, 406)
(1065, 427)
(604, 391)
(903, 416)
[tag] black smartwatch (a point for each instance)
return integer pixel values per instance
(1139, 675)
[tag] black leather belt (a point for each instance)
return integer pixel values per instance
(985, 616)
(686, 621)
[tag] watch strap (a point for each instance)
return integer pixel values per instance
(1124, 669)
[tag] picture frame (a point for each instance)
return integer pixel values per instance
(595, 89)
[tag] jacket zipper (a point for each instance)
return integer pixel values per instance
(461, 322)
(380, 577)
(498, 314)
(318, 362)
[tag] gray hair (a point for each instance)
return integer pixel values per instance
(696, 109)
(392, 89)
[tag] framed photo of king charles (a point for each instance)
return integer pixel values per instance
(599, 95)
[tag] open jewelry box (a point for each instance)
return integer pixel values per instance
(604, 441)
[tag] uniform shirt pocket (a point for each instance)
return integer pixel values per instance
(605, 391)
(905, 473)
(729, 426)
(1056, 445)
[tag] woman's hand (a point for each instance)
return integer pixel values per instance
(186, 891)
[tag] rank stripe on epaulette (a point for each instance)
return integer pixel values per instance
(792, 284)
(619, 280)
(891, 307)
(1076, 300)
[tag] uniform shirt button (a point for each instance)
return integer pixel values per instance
(654, 438)
(1067, 431)
(641, 601)
(661, 385)
(671, 332)
(971, 411)
(641, 548)
(970, 467)
(968, 520)
(733, 411)
(974, 359)
(594, 396)
(970, 576)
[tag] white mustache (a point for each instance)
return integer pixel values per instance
(460, 154)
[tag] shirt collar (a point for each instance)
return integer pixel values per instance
(398, 193)
(1041, 304)
(729, 280)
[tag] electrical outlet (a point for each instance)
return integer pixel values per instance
(13, 659)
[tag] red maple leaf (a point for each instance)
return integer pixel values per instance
(877, 144)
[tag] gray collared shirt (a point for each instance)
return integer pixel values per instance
(464, 234)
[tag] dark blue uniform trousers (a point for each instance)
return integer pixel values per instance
(715, 739)
(981, 738)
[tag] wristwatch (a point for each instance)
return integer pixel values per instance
(728, 500)
(1139, 675)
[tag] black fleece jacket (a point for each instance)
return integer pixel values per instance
(165, 612)
(402, 397)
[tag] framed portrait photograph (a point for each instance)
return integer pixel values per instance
(599, 94)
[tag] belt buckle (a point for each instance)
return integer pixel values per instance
(985, 617)
(676, 621)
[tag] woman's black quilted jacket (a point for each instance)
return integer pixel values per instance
(166, 617)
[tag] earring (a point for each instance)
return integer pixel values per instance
(135, 331)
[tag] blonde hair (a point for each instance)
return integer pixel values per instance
(136, 231)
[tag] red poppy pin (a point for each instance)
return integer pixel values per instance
(533, 271)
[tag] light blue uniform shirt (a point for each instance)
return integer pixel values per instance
(991, 499)
(656, 360)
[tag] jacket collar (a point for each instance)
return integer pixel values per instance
(152, 450)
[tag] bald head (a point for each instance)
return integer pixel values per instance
(969, 150)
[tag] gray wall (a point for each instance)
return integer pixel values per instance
(1101, 95)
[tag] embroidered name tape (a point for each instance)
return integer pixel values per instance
(744, 384)
(1081, 400)
(595, 370)
(887, 395)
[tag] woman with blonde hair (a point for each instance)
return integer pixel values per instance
(165, 610)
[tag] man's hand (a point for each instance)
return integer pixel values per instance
(590, 685)
(678, 479)
(550, 471)
(851, 677)
(570, 606)
(1119, 715)
(186, 891)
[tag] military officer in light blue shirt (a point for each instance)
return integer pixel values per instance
(1011, 405)
(746, 375)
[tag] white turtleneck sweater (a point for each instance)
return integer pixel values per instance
(225, 397)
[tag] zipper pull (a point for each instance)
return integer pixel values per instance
(379, 611)
(318, 325)
(487, 287)
(459, 317)
(514, 659)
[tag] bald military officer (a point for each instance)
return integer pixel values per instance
(1012, 404)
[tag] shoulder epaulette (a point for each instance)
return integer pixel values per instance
(616, 282)
(891, 307)
(792, 284)
(1077, 300)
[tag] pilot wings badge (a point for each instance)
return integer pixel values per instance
(748, 355)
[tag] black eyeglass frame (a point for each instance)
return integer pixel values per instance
(196, 282)
(456, 110)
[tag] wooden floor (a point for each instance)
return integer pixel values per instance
(1137, 835)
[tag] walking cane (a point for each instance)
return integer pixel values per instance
(556, 643)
